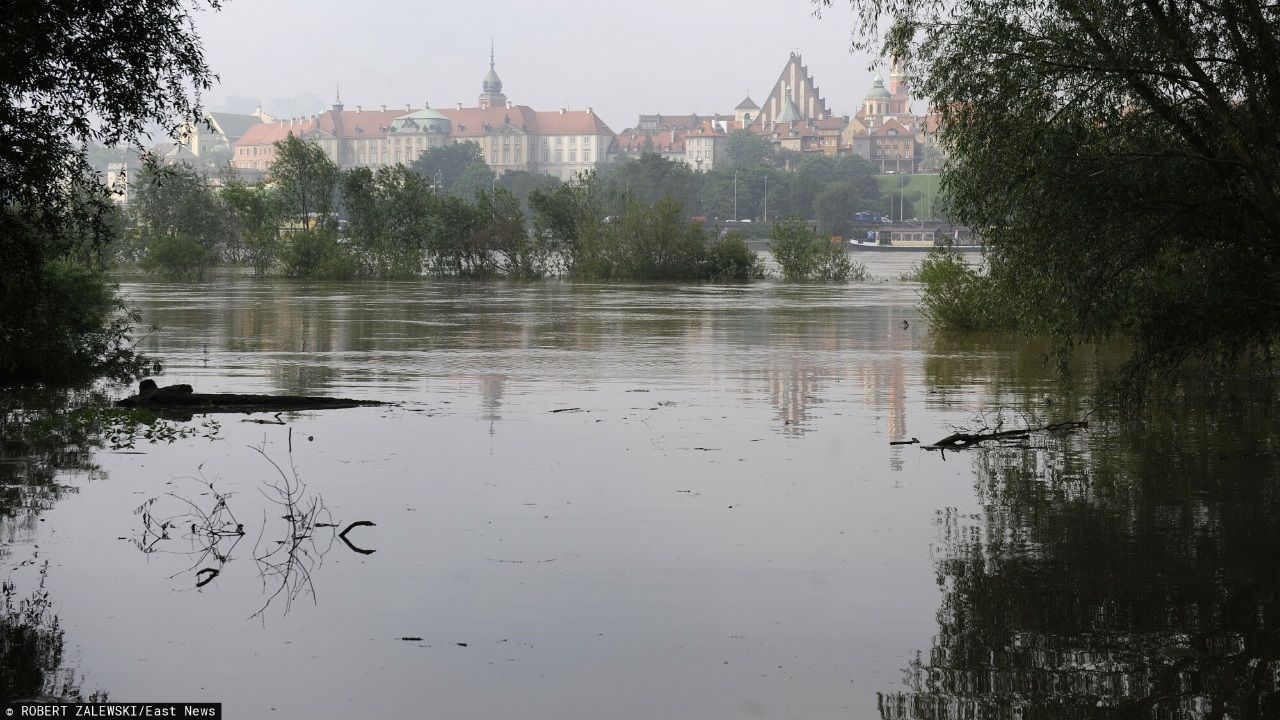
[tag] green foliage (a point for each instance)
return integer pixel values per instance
(305, 182)
(179, 200)
(390, 215)
(474, 180)
(447, 163)
(57, 95)
(316, 254)
(747, 149)
(1115, 158)
(505, 238)
(803, 254)
(835, 206)
(729, 258)
(955, 296)
(254, 224)
(645, 242)
(567, 218)
(74, 330)
(176, 257)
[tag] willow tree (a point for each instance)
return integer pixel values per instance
(74, 72)
(1122, 160)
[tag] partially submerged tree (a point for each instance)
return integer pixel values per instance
(71, 73)
(305, 182)
(1121, 159)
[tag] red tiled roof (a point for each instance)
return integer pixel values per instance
(470, 122)
(359, 123)
(268, 133)
(571, 122)
(634, 141)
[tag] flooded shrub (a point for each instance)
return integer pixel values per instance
(176, 257)
(75, 327)
(958, 297)
(729, 258)
(316, 254)
(803, 254)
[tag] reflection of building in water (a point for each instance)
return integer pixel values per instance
(882, 375)
(491, 388)
(791, 390)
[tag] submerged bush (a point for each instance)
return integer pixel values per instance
(958, 297)
(803, 254)
(316, 254)
(75, 329)
(729, 258)
(176, 257)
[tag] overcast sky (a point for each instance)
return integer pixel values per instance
(620, 58)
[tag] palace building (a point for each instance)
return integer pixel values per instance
(511, 137)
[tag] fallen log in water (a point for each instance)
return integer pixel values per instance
(961, 440)
(182, 400)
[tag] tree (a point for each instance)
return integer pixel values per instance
(181, 222)
(747, 149)
(305, 180)
(475, 179)
(447, 163)
(254, 220)
(803, 254)
(1120, 159)
(74, 73)
(835, 206)
(390, 215)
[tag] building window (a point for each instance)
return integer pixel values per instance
(573, 155)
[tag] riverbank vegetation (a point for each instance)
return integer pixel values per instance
(1118, 160)
(60, 320)
(449, 215)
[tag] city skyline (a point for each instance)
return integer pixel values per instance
(687, 63)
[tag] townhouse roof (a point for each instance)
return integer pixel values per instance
(233, 125)
(268, 133)
(571, 122)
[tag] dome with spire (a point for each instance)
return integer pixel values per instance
(491, 95)
(877, 91)
(492, 83)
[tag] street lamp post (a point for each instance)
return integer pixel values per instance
(766, 198)
(735, 195)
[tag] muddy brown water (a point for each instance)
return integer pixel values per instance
(637, 501)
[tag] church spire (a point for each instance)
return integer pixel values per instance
(491, 95)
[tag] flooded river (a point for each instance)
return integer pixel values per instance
(637, 501)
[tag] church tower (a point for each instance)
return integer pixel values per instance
(899, 95)
(491, 95)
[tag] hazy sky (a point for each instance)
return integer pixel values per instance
(621, 58)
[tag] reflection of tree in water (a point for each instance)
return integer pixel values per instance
(31, 647)
(38, 440)
(296, 533)
(1113, 579)
(45, 436)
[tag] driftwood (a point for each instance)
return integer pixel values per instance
(961, 440)
(343, 536)
(181, 400)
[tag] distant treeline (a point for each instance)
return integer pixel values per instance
(448, 214)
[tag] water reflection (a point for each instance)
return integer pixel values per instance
(1131, 573)
(797, 347)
